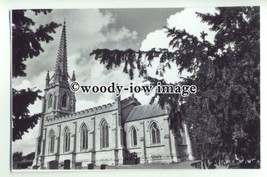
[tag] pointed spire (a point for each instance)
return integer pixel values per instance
(47, 79)
(73, 78)
(47, 76)
(118, 101)
(62, 63)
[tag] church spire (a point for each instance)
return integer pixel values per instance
(59, 100)
(61, 69)
(73, 78)
(47, 79)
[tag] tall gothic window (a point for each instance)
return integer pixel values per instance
(155, 133)
(51, 147)
(64, 100)
(84, 137)
(66, 141)
(50, 101)
(55, 102)
(104, 134)
(134, 136)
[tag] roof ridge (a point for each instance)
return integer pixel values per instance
(145, 111)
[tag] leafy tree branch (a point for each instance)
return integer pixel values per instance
(224, 115)
(26, 43)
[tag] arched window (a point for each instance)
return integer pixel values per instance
(55, 102)
(134, 136)
(155, 133)
(50, 100)
(64, 100)
(51, 147)
(84, 137)
(104, 134)
(66, 141)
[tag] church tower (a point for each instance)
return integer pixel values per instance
(59, 100)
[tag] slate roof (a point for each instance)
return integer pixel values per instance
(145, 111)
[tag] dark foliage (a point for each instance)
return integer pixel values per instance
(22, 121)
(224, 115)
(26, 43)
(17, 156)
(22, 162)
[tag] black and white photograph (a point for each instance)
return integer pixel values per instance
(135, 88)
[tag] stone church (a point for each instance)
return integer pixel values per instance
(119, 133)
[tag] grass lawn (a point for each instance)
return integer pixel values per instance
(181, 165)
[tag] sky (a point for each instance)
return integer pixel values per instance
(89, 29)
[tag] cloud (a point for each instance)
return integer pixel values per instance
(86, 29)
(188, 20)
(117, 35)
(157, 39)
(142, 20)
(84, 104)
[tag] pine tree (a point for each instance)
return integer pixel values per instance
(224, 115)
(26, 43)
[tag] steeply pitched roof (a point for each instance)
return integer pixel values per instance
(145, 111)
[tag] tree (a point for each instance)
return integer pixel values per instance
(224, 114)
(30, 156)
(17, 156)
(21, 161)
(26, 43)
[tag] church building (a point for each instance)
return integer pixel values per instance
(119, 133)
